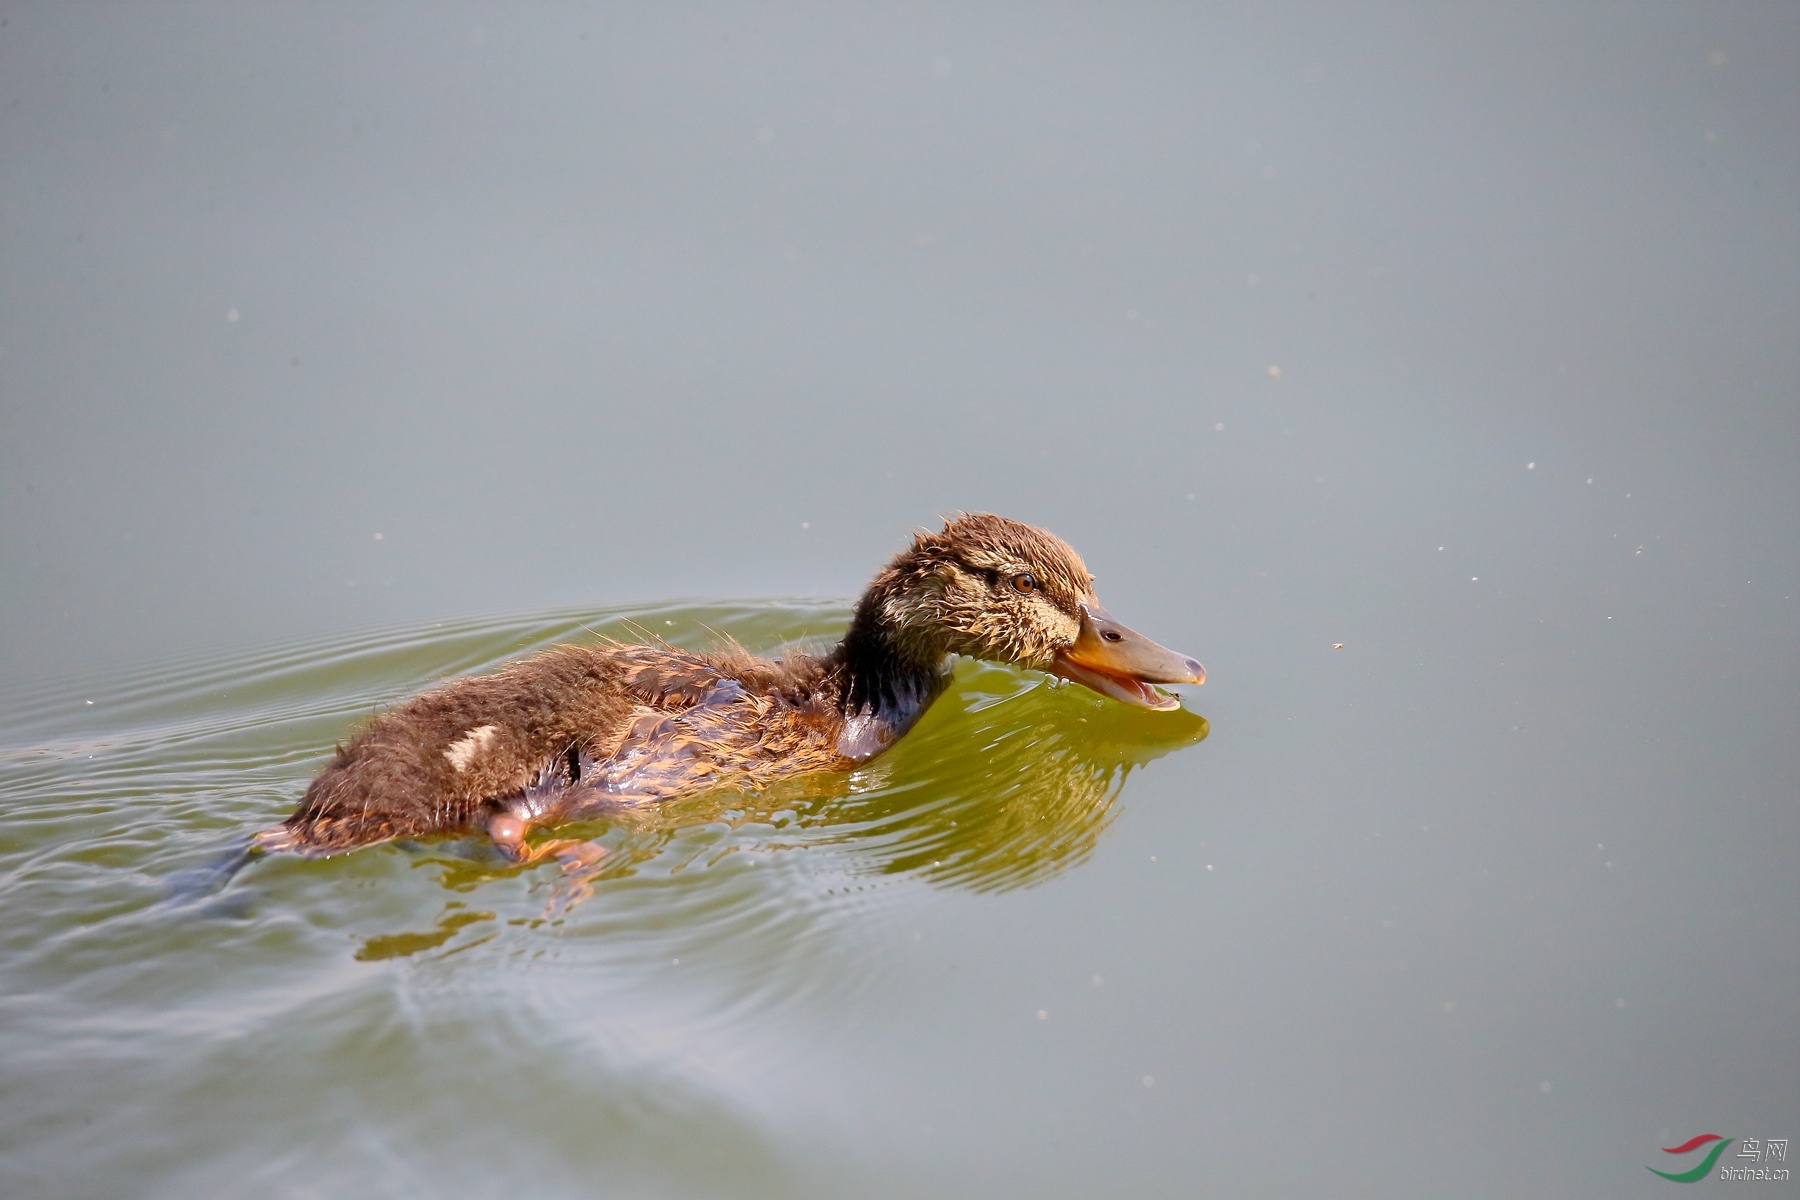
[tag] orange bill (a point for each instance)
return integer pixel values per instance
(1122, 663)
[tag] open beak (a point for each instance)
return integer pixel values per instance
(1118, 662)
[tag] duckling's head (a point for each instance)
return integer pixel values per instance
(996, 589)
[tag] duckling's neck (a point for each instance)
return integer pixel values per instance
(887, 681)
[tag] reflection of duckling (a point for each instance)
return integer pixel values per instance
(581, 730)
(1011, 795)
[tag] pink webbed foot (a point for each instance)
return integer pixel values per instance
(581, 864)
(508, 832)
(581, 861)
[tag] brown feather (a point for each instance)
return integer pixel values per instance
(579, 729)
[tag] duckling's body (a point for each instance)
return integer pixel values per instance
(577, 730)
(582, 729)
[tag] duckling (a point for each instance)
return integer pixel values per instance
(580, 730)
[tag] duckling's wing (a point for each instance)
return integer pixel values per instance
(662, 677)
(731, 738)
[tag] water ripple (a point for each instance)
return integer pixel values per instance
(714, 916)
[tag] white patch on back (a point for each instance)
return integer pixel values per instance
(464, 750)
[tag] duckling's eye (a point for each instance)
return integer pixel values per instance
(1024, 584)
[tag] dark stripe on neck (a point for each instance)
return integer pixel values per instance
(878, 680)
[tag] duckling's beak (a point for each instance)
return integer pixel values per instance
(1118, 662)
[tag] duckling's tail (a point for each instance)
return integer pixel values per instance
(276, 839)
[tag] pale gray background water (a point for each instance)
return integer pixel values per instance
(594, 306)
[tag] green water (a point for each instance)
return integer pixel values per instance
(198, 1039)
(1429, 372)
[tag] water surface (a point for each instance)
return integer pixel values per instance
(671, 1007)
(1428, 372)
